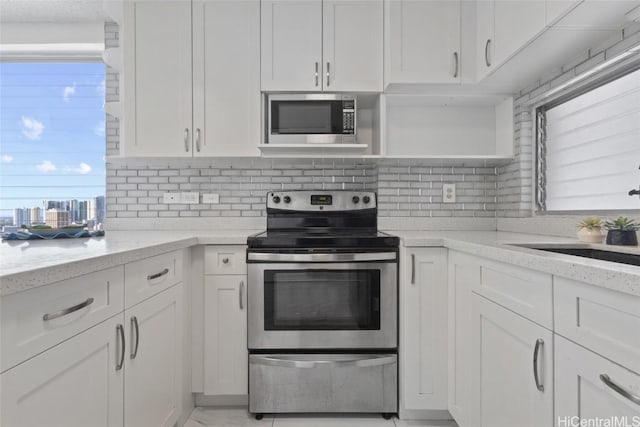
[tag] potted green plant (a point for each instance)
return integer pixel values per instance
(622, 231)
(590, 230)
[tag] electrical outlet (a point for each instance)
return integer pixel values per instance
(448, 193)
(211, 198)
(171, 198)
(192, 198)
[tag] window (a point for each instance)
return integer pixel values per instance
(52, 141)
(588, 155)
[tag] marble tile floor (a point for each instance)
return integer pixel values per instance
(237, 417)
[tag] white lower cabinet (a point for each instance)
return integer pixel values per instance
(589, 387)
(153, 367)
(423, 337)
(225, 338)
(512, 369)
(75, 384)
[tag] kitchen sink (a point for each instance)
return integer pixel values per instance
(586, 252)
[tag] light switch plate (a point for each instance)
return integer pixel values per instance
(192, 198)
(211, 198)
(448, 193)
(171, 198)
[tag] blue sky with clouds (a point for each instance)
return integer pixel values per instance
(51, 133)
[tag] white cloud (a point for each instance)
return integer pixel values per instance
(68, 91)
(82, 169)
(99, 129)
(31, 128)
(46, 166)
(5, 158)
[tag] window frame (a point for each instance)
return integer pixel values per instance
(546, 102)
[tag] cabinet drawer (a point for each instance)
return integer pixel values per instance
(589, 387)
(70, 307)
(605, 321)
(527, 292)
(149, 276)
(225, 259)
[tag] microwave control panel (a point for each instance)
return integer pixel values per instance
(348, 116)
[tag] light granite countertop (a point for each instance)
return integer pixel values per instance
(29, 264)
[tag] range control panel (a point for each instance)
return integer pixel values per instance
(321, 200)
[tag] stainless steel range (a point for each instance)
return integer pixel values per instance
(323, 306)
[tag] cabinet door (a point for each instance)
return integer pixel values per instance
(423, 344)
(153, 380)
(75, 384)
(508, 387)
(485, 38)
(157, 78)
(291, 45)
(352, 45)
(226, 87)
(516, 22)
(464, 274)
(583, 391)
(422, 41)
(225, 335)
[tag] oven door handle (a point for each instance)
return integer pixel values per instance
(354, 361)
(321, 257)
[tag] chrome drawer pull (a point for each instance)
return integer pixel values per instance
(536, 351)
(240, 292)
(413, 269)
(621, 391)
(155, 276)
(69, 310)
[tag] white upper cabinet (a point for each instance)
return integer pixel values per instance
(311, 45)
(291, 45)
(422, 41)
(226, 79)
(157, 55)
(352, 45)
(502, 28)
(179, 103)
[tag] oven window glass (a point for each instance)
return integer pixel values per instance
(306, 117)
(322, 299)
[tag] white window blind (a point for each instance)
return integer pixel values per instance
(593, 149)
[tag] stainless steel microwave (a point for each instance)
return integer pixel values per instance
(311, 118)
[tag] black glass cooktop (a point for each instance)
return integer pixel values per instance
(322, 238)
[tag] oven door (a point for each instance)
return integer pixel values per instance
(322, 300)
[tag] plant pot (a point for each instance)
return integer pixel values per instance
(622, 238)
(590, 235)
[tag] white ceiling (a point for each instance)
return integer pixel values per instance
(51, 11)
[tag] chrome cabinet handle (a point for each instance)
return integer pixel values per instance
(486, 53)
(198, 139)
(51, 316)
(536, 351)
(156, 275)
(413, 269)
(134, 325)
(120, 331)
(186, 139)
(316, 74)
(328, 73)
(241, 291)
(621, 391)
(457, 65)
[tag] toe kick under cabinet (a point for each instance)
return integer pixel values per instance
(75, 354)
